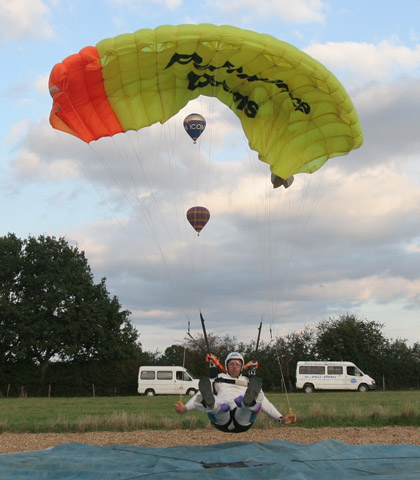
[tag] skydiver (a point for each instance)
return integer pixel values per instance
(232, 401)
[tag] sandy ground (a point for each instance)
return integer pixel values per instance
(22, 442)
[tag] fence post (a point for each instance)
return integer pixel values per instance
(8, 390)
(93, 389)
(49, 390)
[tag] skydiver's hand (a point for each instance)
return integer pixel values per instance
(180, 407)
(288, 419)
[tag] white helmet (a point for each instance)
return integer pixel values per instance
(236, 356)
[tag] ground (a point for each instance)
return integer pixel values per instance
(22, 442)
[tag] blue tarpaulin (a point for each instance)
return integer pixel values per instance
(237, 460)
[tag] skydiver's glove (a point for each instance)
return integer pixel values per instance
(288, 419)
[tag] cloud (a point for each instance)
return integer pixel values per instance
(24, 20)
(298, 11)
(360, 63)
(155, 3)
(388, 113)
(335, 241)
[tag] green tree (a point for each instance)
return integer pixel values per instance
(10, 249)
(50, 307)
(401, 365)
(174, 355)
(352, 339)
(219, 346)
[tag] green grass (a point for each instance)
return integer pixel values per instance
(321, 409)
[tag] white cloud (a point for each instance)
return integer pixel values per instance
(351, 227)
(299, 11)
(145, 4)
(31, 166)
(361, 63)
(24, 19)
(41, 84)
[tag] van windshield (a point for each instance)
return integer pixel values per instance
(191, 376)
(354, 371)
(184, 376)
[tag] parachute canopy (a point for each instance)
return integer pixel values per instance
(198, 217)
(194, 125)
(294, 112)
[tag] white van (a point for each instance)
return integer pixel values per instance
(312, 376)
(166, 381)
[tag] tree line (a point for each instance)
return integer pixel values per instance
(62, 334)
(392, 363)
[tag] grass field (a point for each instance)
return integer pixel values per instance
(321, 409)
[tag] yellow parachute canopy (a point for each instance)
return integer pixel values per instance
(293, 110)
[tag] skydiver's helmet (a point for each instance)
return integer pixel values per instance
(236, 356)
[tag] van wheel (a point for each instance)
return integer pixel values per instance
(191, 391)
(308, 388)
(150, 393)
(363, 388)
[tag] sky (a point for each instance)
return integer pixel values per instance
(345, 239)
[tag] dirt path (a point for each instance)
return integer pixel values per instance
(22, 442)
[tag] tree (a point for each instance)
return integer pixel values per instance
(174, 355)
(401, 365)
(350, 338)
(50, 307)
(219, 346)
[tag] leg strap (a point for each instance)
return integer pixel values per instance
(232, 426)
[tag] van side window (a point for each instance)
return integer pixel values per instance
(311, 370)
(164, 375)
(353, 371)
(147, 375)
(334, 370)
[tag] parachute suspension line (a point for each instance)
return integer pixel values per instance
(201, 169)
(206, 164)
(145, 202)
(294, 219)
(182, 232)
(175, 188)
(197, 245)
(299, 216)
(291, 412)
(117, 182)
(179, 217)
(181, 395)
(123, 188)
(266, 203)
(98, 192)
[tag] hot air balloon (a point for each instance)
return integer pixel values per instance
(198, 217)
(294, 112)
(194, 125)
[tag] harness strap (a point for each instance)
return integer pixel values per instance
(232, 381)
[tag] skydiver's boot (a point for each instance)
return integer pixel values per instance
(206, 391)
(254, 388)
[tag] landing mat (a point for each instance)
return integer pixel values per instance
(237, 460)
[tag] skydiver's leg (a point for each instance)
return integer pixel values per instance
(245, 416)
(218, 413)
(249, 405)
